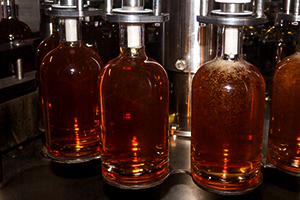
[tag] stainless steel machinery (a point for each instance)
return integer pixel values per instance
(186, 47)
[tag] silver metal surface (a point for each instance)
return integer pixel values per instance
(259, 8)
(74, 12)
(157, 7)
(180, 103)
(108, 6)
(68, 3)
(232, 21)
(19, 69)
(183, 36)
(113, 17)
(232, 7)
(133, 3)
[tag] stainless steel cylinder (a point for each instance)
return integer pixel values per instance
(232, 7)
(185, 49)
(133, 5)
(68, 2)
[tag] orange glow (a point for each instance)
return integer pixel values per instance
(298, 138)
(225, 150)
(225, 154)
(250, 137)
(49, 105)
(127, 116)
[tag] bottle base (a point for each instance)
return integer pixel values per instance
(294, 171)
(135, 182)
(70, 160)
(229, 189)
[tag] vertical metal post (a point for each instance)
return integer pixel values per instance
(296, 7)
(156, 7)
(19, 69)
(260, 8)
(108, 6)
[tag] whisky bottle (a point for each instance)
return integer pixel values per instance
(70, 97)
(284, 132)
(227, 119)
(12, 29)
(275, 44)
(134, 103)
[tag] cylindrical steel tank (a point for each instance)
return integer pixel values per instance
(186, 46)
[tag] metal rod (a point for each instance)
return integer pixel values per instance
(109, 6)
(156, 7)
(260, 8)
(80, 5)
(296, 7)
(287, 6)
(19, 69)
(204, 10)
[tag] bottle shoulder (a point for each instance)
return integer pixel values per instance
(289, 65)
(63, 57)
(228, 71)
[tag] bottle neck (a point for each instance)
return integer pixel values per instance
(230, 42)
(8, 9)
(70, 31)
(132, 40)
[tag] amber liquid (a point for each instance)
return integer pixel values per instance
(134, 140)
(227, 125)
(284, 134)
(71, 101)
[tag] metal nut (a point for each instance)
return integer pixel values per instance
(181, 64)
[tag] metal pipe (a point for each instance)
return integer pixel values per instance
(296, 7)
(109, 6)
(260, 8)
(80, 5)
(287, 6)
(67, 2)
(204, 8)
(156, 7)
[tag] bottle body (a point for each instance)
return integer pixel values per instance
(284, 134)
(134, 137)
(227, 125)
(277, 43)
(70, 100)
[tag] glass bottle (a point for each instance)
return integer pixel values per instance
(11, 29)
(227, 119)
(134, 103)
(275, 44)
(70, 97)
(284, 130)
(47, 44)
(42, 50)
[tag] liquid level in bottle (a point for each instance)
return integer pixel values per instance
(71, 101)
(227, 125)
(284, 134)
(134, 95)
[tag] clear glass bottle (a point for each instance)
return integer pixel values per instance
(227, 119)
(11, 29)
(70, 97)
(275, 44)
(134, 103)
(284, 130)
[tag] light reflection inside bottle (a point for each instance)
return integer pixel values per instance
(228, 88)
